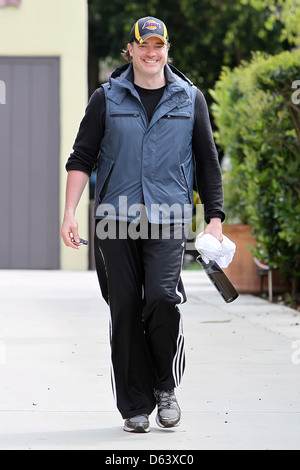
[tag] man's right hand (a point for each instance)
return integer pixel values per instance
(69, 230)
(76, 183)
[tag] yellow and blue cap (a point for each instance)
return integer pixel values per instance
(148, 27)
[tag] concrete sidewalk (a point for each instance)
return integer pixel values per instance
(241, 388)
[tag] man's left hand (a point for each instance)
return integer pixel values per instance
(214, 228)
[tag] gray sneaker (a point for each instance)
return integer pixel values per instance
(168, 410)
(139, 423)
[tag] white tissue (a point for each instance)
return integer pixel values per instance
(212, 250)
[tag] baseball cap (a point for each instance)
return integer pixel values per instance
(148, 27)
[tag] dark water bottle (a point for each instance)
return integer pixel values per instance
(219, 280)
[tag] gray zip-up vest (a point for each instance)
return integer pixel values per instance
(145, 162)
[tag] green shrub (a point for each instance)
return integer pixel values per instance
(259, 130)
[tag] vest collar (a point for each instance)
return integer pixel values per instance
(122, 80)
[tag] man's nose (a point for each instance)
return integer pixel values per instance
(151, 51)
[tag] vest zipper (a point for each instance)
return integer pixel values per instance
(125, 115)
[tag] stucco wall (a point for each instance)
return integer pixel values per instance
(56, 28)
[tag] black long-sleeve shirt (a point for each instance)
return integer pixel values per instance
(207, 169)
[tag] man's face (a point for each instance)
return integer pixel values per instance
(149, 58)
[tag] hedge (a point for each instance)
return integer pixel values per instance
(257, 115)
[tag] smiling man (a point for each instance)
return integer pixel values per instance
(147, 130)
(149, 59)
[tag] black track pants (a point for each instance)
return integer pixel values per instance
(140, 280)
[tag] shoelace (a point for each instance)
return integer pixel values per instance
(165, 399)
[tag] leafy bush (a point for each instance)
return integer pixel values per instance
(259, 130)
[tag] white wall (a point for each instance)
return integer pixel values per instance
(56, 28)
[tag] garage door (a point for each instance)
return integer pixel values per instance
(29, 159)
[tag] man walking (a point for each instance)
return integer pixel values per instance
(148, 132)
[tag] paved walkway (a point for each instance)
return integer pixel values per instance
(241, 389)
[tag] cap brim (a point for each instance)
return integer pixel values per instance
(147, 36)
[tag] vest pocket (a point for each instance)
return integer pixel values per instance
(176, 116)
(186, 182)
(103, 178)
(125, 114)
